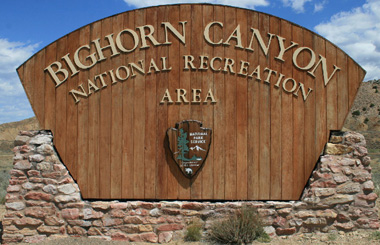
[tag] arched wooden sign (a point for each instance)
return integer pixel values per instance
(269, 90)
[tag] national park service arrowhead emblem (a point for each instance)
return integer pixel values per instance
(189, 144)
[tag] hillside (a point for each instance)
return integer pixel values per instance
(8, 132)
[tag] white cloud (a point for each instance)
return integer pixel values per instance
(357, 32)
(319, 6)
(13, 102)
(241, 3)
(296, 5)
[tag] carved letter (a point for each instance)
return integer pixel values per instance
(53, 73)
(311, 62)
(189, 61)
(210, 96)
(72, 67)
(91, 56)
(180, 37)
(166, 97)
(236, 35)
(100, 50)
(145, 36)
(126, 73)
(324, 70)
(196, 95)
(281, 42)
(304, 95)
(74, 93)
(181, 93)
(212, 63)
(294, 85)
(135, 40)
(206, 33)
(134, 66)
(256, 33)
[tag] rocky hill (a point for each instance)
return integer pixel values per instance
(364, 116)
(8, 132)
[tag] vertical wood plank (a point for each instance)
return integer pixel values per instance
(184, 78)
(150, 114)
(116, 119)
(207, 172)
(60, 109)
(173, 109)
(162, 119)
(275, 118)
(241, 113)
(264, 168)
(139, 118)
(331, 89)
(298, 117)
(253, 118)
(72, 112)
(39, 86)
(321, 103)
(128, 115)
(105, 118)
(93, 174)
(196, 83)
(219, 112)
(28, 75)
(287, 116)
(230, 113)
(310, 157)
(49, 110)
(343, 85)
(84, 166)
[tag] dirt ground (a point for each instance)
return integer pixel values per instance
(353, 238)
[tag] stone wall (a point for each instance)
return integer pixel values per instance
(44, 201)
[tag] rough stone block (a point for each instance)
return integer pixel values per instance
(165, 237)
(22, 165)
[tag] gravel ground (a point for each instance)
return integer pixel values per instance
(353, 238)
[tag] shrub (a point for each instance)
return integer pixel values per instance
(375, 235)
(364, 108)
(366, 120)
(372, 105)
(4, 179)
(240, 228)
(193, 232)
(356, 113)
(332, 236)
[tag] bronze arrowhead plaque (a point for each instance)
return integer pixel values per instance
(189, 144)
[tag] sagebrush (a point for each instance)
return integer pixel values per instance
(193, 232)
(4, 181)
(242, 227)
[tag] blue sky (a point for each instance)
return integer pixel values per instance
(27, 26)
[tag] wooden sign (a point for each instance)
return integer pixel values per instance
(189, 144)
(270, 91)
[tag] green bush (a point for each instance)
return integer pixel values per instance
(375, 235)
(242, 227)
(356, 113)
(366, 120)
(372, 105)
(332, 236)
(4, 180)
(193, 232)
(364, 108)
